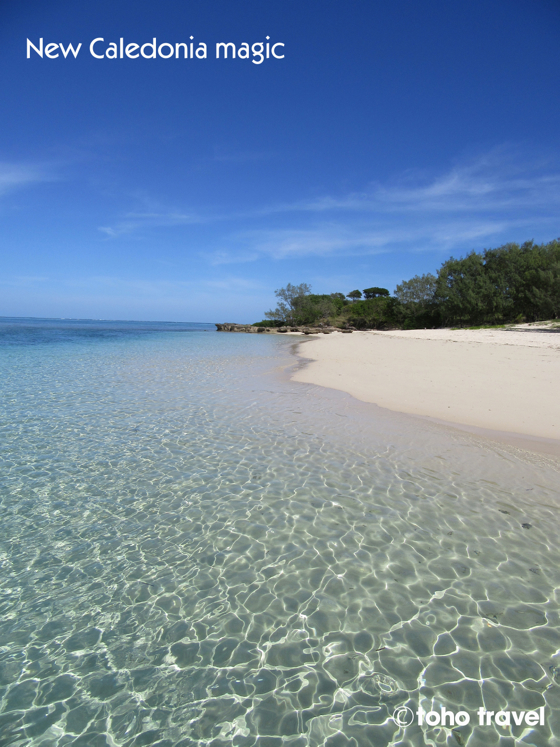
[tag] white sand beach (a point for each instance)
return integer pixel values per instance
(502, 380)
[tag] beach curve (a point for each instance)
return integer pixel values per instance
(496, 380)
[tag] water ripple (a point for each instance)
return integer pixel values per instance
(195, 551)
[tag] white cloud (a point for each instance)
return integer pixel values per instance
(15, 176)
(500, 196)
(135, 221)
(334, 239)
(495, 198)
(223, 257)
(502, 179)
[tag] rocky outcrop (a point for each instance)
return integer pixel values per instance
(230, 327)
(319, 329)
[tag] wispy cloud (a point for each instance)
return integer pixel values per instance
(17, 175)
(320, 240)
(333, 239)
(135, 221)
(499, 196)
(227, 257)
(20, 281)
(499, 180)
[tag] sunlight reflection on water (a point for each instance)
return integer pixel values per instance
(197, 551)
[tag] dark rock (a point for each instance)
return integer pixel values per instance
(230, 327)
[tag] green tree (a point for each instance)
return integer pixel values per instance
(355, 295)
(375, 313)
(464, 291)
(509, 283)
(536, 290)
(420, 289)
(312, 308)
(289, 297)
(416, 297)
(375, 292)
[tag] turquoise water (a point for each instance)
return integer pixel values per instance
(195, 550)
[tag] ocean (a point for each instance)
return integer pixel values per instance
(195, 550)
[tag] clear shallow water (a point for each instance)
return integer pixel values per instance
(196, 551)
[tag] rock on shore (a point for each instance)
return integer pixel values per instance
(319, 329)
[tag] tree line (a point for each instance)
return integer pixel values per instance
(513, 283)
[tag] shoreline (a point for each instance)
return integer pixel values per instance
(497, 383)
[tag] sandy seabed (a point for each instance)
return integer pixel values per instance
(501, 381)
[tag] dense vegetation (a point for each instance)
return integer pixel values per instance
(509, 284)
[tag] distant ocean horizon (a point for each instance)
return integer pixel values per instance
(78, 320)
(32, 330)
(87, 319)
(196, 550)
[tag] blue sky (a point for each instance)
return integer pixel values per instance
(392, 135)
